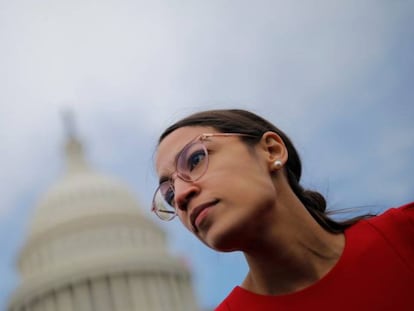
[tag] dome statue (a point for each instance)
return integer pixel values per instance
(90, 248)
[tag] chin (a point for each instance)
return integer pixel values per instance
(226, 235)
(223, 243)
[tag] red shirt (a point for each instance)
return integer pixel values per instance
(375, 272)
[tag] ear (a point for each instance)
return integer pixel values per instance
(274, 150)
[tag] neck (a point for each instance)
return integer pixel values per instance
(291, 255)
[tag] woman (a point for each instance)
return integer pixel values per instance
(233, 178)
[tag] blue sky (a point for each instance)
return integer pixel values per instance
(336, 76)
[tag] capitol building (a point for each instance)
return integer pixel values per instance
(89, 247)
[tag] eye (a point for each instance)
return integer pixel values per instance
(195, 159)
(169, 196)
(167, 192)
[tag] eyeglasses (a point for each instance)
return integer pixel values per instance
(191, 164)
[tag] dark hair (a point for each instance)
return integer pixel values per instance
(242, 121)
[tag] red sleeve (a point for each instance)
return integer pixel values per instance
(408, 211)
(222, 307)
(396, 226)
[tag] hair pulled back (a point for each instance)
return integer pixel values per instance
(245, 122)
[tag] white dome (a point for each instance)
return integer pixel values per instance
(84, 216)
(78, 195)
(91, 248)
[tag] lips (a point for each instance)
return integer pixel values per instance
(198, 212)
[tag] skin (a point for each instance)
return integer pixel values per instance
(250, 207)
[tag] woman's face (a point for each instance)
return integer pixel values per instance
(228, 204)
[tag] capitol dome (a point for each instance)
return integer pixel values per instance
(89, 247)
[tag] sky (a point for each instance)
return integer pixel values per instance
(336, 76)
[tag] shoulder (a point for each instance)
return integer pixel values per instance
(238, 299)
(393, 220)
(396, 218)
(224, 305)
(407, 211)
(396, 228)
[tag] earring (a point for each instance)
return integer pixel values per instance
(277, 164)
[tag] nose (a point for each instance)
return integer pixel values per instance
(184, 191)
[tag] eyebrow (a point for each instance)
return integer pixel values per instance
(164, 178)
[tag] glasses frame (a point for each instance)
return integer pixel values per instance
(198, 139)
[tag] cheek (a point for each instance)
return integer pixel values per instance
(253, 185)
(182, 215)
(244, 196)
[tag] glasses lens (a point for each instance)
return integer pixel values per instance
(192, 162)
(163, 202)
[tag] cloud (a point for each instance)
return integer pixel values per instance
(335, 76)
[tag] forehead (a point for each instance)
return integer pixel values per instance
(174, 143)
